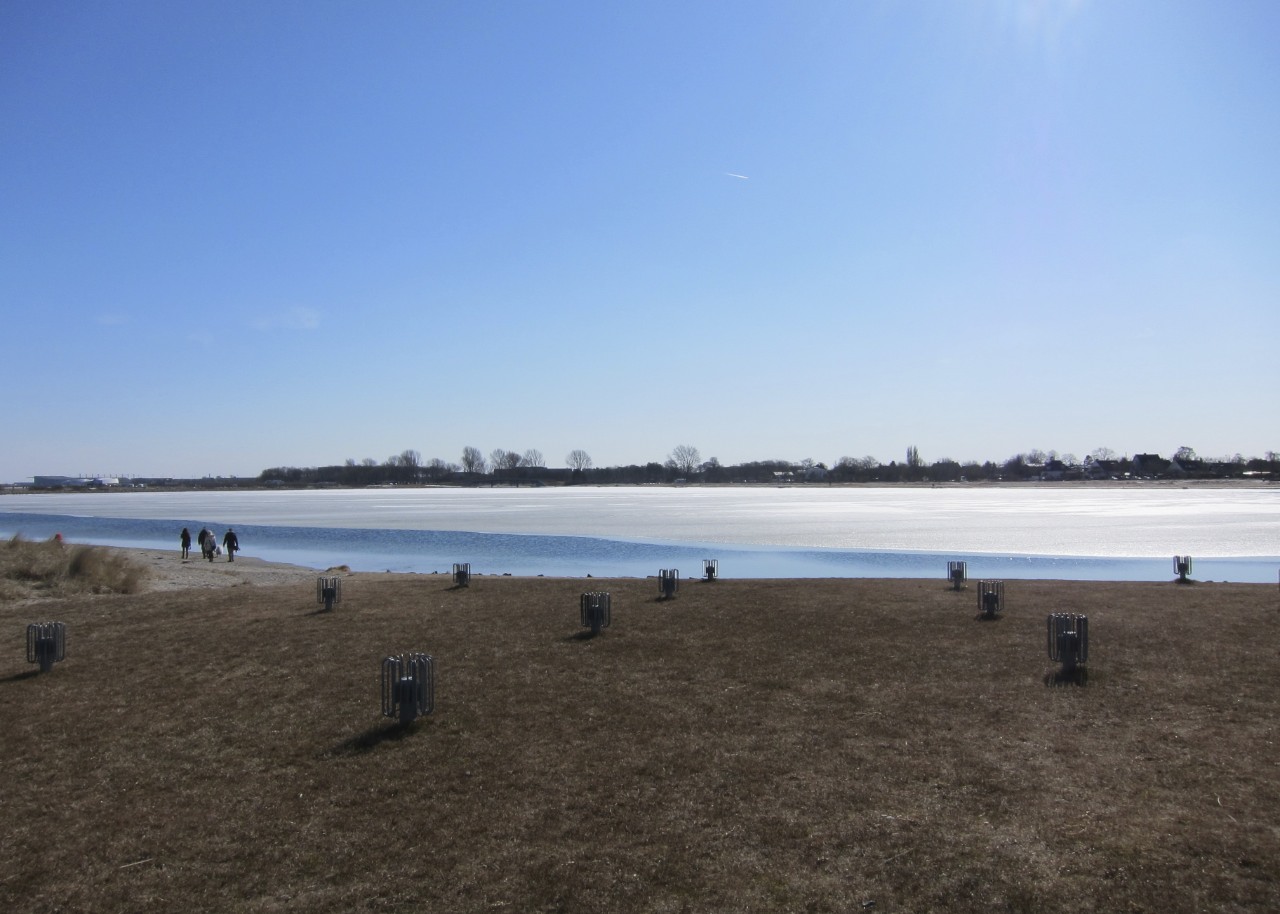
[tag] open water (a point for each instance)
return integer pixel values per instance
(1049, 531)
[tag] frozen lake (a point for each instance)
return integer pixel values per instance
(1105, 532)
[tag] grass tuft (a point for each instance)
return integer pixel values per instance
(52, 568)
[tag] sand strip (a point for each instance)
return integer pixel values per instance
(167, 570)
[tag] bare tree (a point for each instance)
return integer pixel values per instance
(472, 460)
(501, 459)
(578, 460)
(533, 458)
(858, 463)
(438, 469)
(684, 459)
(410, 458)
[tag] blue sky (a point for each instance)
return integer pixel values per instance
(243, 235)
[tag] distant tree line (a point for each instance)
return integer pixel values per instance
(685, 464)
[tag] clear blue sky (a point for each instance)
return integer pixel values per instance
(236, 235)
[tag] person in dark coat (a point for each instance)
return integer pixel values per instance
(185, 539)
(208, 542)
(231, 543)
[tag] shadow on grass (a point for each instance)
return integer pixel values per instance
(984, 617)
(18, 677)
(373, 738)
(586, 635)
(1078, 677)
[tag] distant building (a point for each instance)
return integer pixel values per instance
(1148, 465)
(1054, 470)
(59, 482)
(1102, 469)
(73, 482)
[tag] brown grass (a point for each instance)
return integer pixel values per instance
(52, 568)
(749, 746)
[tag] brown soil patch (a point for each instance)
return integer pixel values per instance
(749, 746)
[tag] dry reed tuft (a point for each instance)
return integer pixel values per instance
(52, 568)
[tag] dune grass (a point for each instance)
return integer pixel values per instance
(748, 746)
(52, 568)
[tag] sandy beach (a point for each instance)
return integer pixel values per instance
(167, 570)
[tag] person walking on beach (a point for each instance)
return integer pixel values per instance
(185, 539)
(208, 542)
(231, 543)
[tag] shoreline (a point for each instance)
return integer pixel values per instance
(19, 489)
(168, 571)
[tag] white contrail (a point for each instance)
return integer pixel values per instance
(732, 175)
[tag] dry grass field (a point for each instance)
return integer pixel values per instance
(809, 746)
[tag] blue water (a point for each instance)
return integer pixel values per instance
(407, 550)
